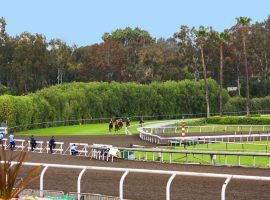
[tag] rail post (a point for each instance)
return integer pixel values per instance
(223, 190)
(41, 182)
(121, 190)
(169, 186)
(79, 183)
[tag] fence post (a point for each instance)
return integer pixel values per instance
(223, 191)
(41, 181)
(79, 183)
(169, 186)
(121, 190)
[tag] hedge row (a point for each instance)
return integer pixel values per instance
(100, 99)
(238, 104)
(239, 120)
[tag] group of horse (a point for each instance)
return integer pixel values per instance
(118, 124)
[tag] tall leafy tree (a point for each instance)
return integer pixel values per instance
(132, 40)
(187, 50)
(63, 60)
(243, 24)
(201, 37)
(4, 52)
(223, 37)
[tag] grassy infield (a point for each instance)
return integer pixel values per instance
(86, 129)
(102, 129)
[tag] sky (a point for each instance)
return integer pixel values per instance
(83, 22)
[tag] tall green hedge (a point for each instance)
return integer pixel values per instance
(102, 99)
(238, 120)
(238, 104)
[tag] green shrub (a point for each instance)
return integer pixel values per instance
(239, 120)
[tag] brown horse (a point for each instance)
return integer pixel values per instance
(116, 125)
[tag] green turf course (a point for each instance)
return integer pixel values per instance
(85, 129)
(204, 159)
(263, 146)
(257, 147)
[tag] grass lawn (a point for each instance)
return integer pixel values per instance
(85, 129)
(258, 161)
(204, 159)
(263, 146)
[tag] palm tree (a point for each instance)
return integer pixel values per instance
(243, 24)
(201, 36)
(223, 37)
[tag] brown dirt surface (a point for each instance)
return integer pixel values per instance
(115, 140)
(145, 186)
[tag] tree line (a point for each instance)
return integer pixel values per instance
(29, 62)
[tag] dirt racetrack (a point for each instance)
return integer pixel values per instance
(146, 186)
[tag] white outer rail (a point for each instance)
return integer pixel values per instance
(151, 137)
(132, 170)
(41, 183)
(225, 184)
(79, 183)
(168, 187)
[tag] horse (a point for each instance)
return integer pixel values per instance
(116, 125)
(111, 126)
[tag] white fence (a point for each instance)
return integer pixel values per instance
(81, 149)
(57, 149)
(126, 171)
(201, 157)
(212, 128)
(148, 134)
(38, 148)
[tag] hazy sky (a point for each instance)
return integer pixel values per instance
(83, 22)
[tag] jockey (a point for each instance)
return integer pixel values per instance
(111, 125)
(141, 121)
(127, 122)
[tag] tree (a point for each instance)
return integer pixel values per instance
(223, 37)
(187, 50)
(29, 63)
(243, 24)
(62, 59)
(201, 36)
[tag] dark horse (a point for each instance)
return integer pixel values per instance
(111, 126)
